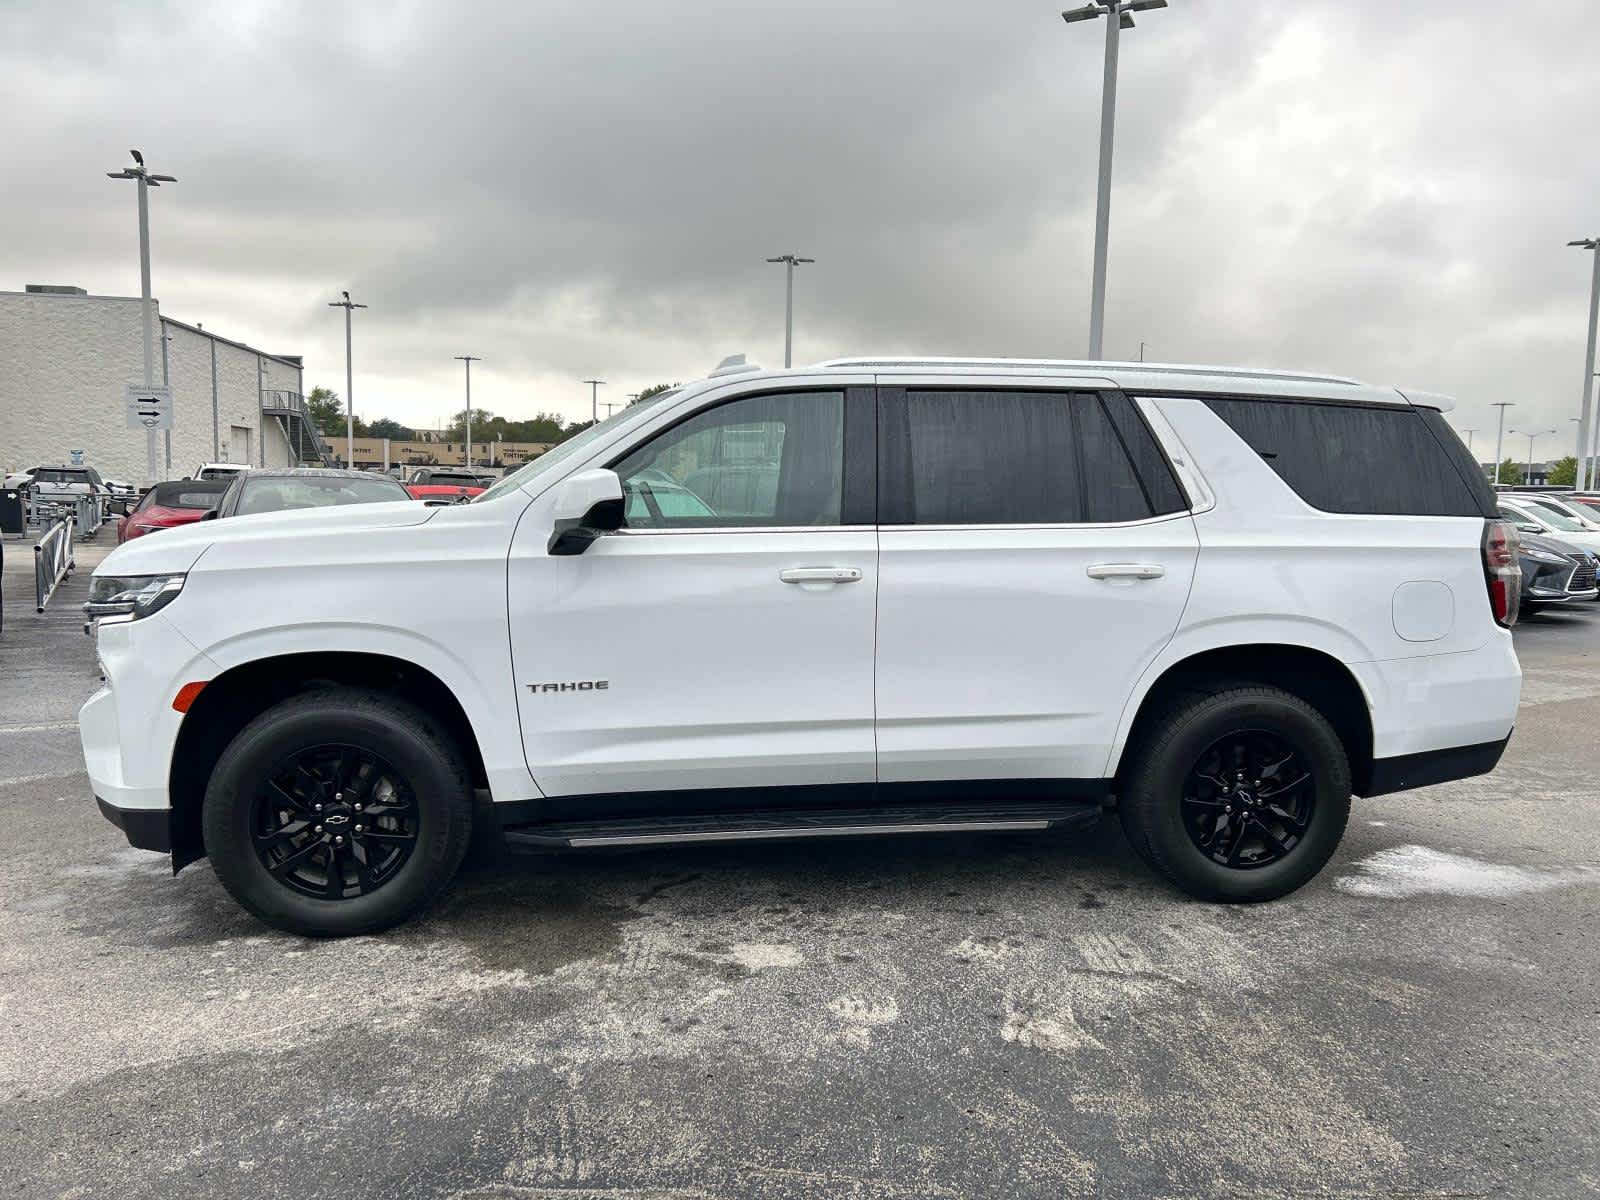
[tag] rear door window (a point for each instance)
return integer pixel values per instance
(995, 456)
(1357, 459)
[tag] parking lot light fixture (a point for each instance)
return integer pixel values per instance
(1499, 438)
(1119, 14)
(594, 400)
(349, 381)
(1588, 471)
(789, 261)
(468, 360)
(146, 180)
(1530, 434)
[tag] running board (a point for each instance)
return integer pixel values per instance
(780, 824)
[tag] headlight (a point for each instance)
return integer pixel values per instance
(132, 596)
(1542, 556)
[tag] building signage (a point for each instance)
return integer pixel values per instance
(77, 457)
(149, 407)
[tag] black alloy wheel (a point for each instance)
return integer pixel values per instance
(1249, 800)
(334, 821)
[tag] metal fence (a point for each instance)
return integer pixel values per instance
(52, 559)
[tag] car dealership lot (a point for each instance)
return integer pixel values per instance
(1005, 1016)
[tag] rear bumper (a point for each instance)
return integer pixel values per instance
(146, 828)
(1407, 771)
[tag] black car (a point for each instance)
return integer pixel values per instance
(276, 489)
(1555, 572)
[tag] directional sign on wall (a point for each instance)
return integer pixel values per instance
(149, 407)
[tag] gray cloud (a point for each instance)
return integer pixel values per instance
(570, 189)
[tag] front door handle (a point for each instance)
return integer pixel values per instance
(1126, 571)
(820, 575)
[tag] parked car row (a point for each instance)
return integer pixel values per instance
(1560, 550)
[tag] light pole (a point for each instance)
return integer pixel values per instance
(1499, 438)
(1469, 433)
(469, 359)
(594, 400)
(1586, 475)
(1530, 435)
(146, 180)
(1119, 14)
(790, 262)
(348, 305)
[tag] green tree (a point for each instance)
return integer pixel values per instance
(384, 427)
(1510, 472)
(327, 413)
(1564, 472)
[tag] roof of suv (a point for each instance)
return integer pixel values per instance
(1156, 377)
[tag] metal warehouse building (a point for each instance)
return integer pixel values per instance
(66, 356)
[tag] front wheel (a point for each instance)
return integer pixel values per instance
(1238, 795)
(336, 812)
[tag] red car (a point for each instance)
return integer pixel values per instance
(444, 483)
(171, 504)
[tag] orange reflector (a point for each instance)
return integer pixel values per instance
(186, 695)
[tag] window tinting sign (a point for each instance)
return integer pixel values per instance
(149, 407)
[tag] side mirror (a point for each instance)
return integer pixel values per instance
(1531, 528)
(210, 514)
(586, 506)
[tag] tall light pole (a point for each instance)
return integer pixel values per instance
(1499, 438)
(790, 262)
(594, 400)
(146, 180)
(1530, 434)
(1587, 475)
(1119, 14)
(469, 359)
(348, 305)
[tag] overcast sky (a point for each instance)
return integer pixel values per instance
(571, 189)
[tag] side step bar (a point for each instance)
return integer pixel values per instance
(781, 824)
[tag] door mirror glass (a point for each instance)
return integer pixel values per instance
(586, 506)
(210, 514)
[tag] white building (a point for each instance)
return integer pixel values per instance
(66, 358)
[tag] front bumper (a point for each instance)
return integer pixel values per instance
(146, 828)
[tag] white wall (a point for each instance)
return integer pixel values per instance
(65, 360)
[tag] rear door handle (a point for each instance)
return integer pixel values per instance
(1126, 571)
(820, 575)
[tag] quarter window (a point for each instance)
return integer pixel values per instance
(771, 460)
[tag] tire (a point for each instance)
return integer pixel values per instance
(1223, 843)
(416, 820)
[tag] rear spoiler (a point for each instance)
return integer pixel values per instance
(1435, 400)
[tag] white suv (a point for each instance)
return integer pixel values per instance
(872, 596)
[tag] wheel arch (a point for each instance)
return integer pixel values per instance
(230, 701)
(1314, 675)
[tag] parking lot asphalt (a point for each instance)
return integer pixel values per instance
(927, 1017)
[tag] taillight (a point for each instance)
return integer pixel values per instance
(1502, 571)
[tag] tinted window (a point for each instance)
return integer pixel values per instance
(997, 457)
(1155, 472)
(761, 460)
(1350, 459)
(186, 494)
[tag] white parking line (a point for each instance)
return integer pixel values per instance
(15, 779)
(51, 728)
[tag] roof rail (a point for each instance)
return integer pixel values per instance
(1092, 367)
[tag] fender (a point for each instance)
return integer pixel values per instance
(1304, 633)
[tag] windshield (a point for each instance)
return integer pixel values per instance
(278, 492)
(1553, 518)
(574, 445)
(1559, 508)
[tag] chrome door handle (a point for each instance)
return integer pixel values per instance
(1126, 571)
(820, 575)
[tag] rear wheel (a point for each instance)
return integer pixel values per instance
(1238, 795)
(337, 812)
